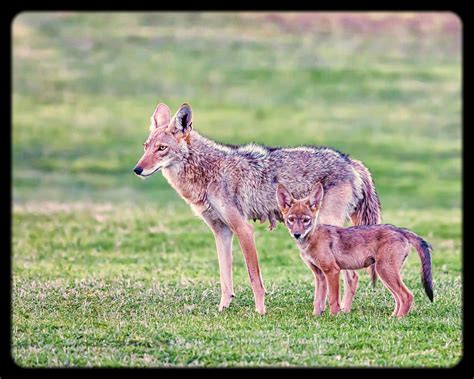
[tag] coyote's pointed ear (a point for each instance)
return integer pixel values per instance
(285, 200)
(161, 117)
(315, 197)
(183, 120)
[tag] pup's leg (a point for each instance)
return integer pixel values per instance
(320, 292)
(351, 280)
(320, 289)
(395, 284)
(384, 276)
(332, 277)
(389, 265)
(406, 297)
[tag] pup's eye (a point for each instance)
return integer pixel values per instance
(162, 148)
(291, 219)
(306, 220)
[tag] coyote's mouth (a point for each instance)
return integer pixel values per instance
(150, 174)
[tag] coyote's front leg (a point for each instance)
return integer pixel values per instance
(244, 232)
(223, 236)
(239, 226)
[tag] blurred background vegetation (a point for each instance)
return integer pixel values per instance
(384, 88)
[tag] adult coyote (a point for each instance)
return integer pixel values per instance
(228, 185)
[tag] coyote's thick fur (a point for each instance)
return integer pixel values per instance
(228, 185)
(331, 248)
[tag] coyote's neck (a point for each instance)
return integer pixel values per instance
(199, 165)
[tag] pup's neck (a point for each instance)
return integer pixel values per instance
(303, 243)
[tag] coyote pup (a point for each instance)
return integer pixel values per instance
(332, 248)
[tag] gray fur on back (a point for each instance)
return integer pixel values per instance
(247, 175)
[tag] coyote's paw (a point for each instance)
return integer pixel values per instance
(318, 310)
(225, 302)
(261, 310)
(272, 221)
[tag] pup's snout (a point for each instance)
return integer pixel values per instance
(138, 170)
(297, 235)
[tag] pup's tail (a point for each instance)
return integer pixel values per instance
(368, 210)
(424, 250)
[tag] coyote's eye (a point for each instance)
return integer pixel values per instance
(162, 148)
(291, 219)
(306, 220)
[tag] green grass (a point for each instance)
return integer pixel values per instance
(109, 270)
(120, 287)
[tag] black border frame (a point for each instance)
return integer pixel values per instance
(9, 369)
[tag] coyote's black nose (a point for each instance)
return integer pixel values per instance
(297, 235)
(137, 170)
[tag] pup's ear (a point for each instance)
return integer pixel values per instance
(284, 197)
(316, 196)
(161, 117)
(182, 121)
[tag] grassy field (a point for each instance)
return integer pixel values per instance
(109, 270)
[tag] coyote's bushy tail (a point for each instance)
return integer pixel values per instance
(367, 211)
(424, 250)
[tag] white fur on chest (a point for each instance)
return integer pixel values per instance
(184, 189)
(187, 191)
(308, 257)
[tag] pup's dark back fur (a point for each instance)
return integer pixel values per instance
(371, 238)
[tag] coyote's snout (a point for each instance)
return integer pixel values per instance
(227, 185)
(332, 248)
